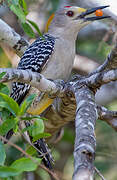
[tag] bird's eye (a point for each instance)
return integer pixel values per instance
(70, 13)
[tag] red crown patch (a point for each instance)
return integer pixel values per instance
(67, 6)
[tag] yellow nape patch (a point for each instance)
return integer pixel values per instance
(49, 22)
(41, 106)
(80, 10)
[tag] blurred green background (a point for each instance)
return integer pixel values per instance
(87, 45)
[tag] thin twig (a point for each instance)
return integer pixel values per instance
(31, 144)
(99, 173)
(16, 147)
(27, 155)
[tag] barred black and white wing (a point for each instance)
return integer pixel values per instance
(34, 58)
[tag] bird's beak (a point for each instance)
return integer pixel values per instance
(91, 11)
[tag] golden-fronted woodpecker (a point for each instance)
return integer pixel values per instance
(53, 56)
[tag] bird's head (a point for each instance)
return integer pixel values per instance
(72, 18)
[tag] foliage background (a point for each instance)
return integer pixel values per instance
(87, 45)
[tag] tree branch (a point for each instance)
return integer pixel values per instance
(110, 117)
(99, 174)
(34, 79)
(98, 79)
(60, 89)
(14, 40)
(85, 142)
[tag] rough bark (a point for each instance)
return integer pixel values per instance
(85, 142)
(14, 40)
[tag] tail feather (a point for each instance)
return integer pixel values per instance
(44, 152)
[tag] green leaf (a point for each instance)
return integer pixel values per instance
(26, 164)
(2, 154)
(24, 5)
(37, 128)
(7, 125)
(2, 74)
(4, 114)
(4, 89)
(6, 106)
(8, 178)
(36, 27)
(16, 2)
(40, 125)
(19, 12)
(41, 135)
(29, 128)
(23, 108)
(8, 171)
(31, 150)
(28, 30)
(2, 86)
(15, 128)
(26, 104)
(10, 104)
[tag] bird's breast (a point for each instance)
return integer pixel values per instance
(61, 61)
(59, 66)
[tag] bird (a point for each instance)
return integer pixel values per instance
(53, 56)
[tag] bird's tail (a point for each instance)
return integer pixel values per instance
(42, 149)
(44, 152)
